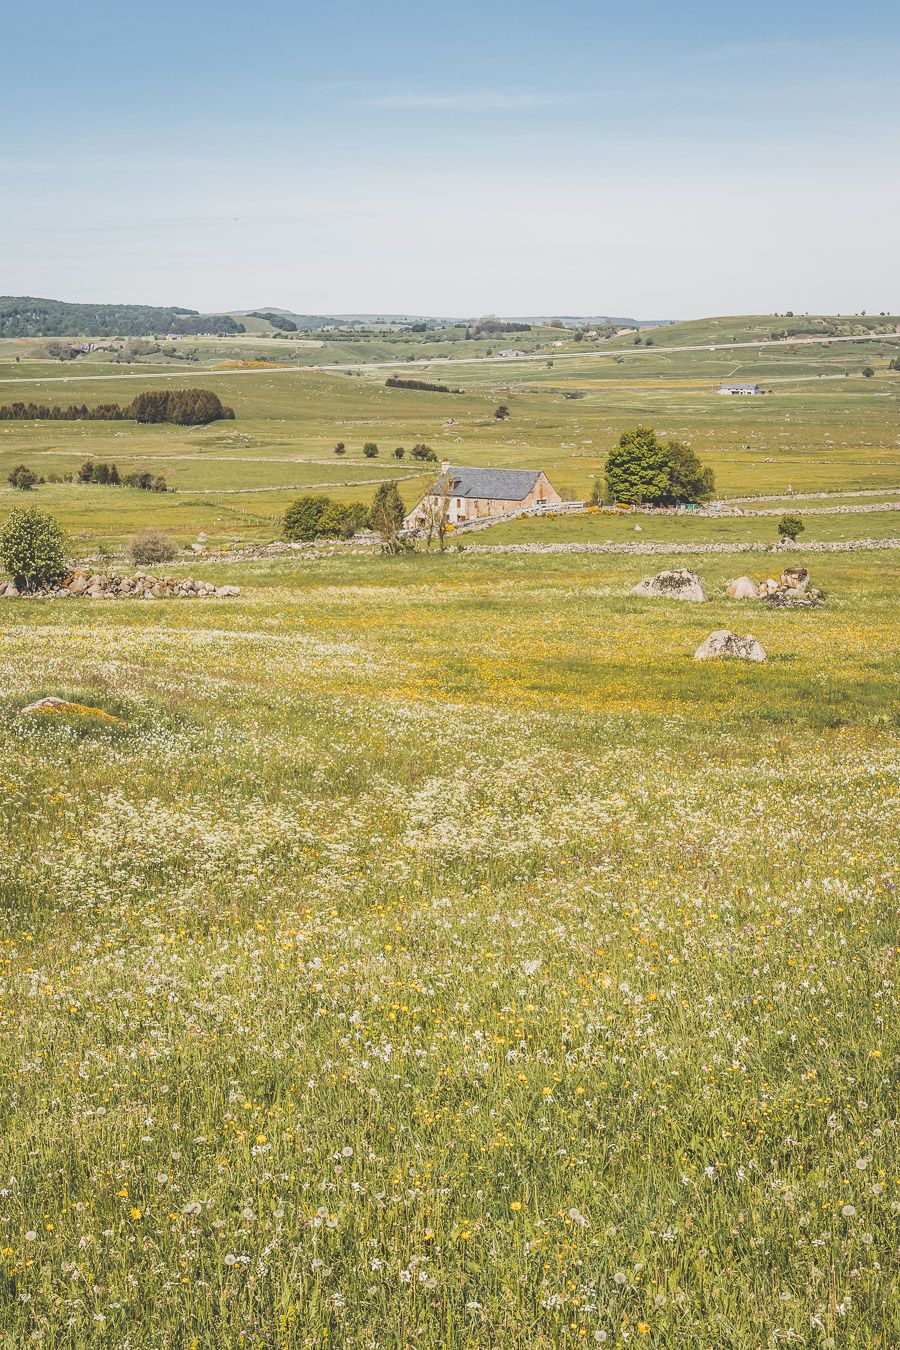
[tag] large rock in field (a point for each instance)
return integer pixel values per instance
(725, 643)
(682, 584)
(743, 589)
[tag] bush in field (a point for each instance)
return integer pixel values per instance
(31, 548)
(340, 448)
(149, 547)
(147, 481)
(370, 450)
(303, 517)
(22, 478)
(423, 452)
(790, 526)
(339, 521)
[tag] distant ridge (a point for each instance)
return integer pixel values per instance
(33, 316)
(30, 316)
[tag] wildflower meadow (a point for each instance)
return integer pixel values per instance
(429, 952)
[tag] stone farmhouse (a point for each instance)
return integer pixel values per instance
(741, 389)
(473, 494)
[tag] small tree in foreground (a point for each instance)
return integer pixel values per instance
(386, 516)
(31, 548)
(789, 527)
(22, 478)
(149, 547)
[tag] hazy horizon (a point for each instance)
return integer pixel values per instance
(659, 163)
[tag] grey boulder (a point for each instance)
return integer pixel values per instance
(725, 643)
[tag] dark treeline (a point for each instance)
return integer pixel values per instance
(75, 412)
(276, 320)
(26, 316)
(394, 382)
(184, 407)
(108, 475)
(480, 328)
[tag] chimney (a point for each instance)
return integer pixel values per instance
(445, 466)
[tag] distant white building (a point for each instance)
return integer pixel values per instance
(740, 389)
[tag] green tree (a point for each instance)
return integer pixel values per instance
(689, 481)
(790, 526)
(370, 450)
(22, 477)
(637, 468)
(501, 413)
(303, 517)
(340, 448)
(386, 516)
(868, 372)
(339, 521)
(31, 548)
(399, 452)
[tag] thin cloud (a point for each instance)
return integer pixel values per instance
(475, 100)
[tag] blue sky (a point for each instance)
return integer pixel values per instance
(658, 159)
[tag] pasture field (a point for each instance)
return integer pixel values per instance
(427, 951)
(437, 955)
(822, 425)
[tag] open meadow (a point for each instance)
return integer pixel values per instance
(822, 426)
(427, 951)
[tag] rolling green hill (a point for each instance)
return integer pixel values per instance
(29, 316)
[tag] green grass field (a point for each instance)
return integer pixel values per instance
(822, 426)
(432, 953)
(439, 956)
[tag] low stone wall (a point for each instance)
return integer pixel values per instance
(839, 546)
(138, 586)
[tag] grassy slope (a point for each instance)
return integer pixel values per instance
(441, 953)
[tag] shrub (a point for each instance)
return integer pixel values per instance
(150, 546)
(370, 450)
(790, 526)
(302, 518)
(148, 481)
(340, 448)
(423, 452)
(339, 521)
(31, 548)
(868, 372)
(22, 477)
(399, 452)
(501, 413)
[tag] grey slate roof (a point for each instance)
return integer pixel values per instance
(511, 485)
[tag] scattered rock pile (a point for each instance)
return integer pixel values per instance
(724, 643)
(138, 586)
(682, 584)
(791, 591)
